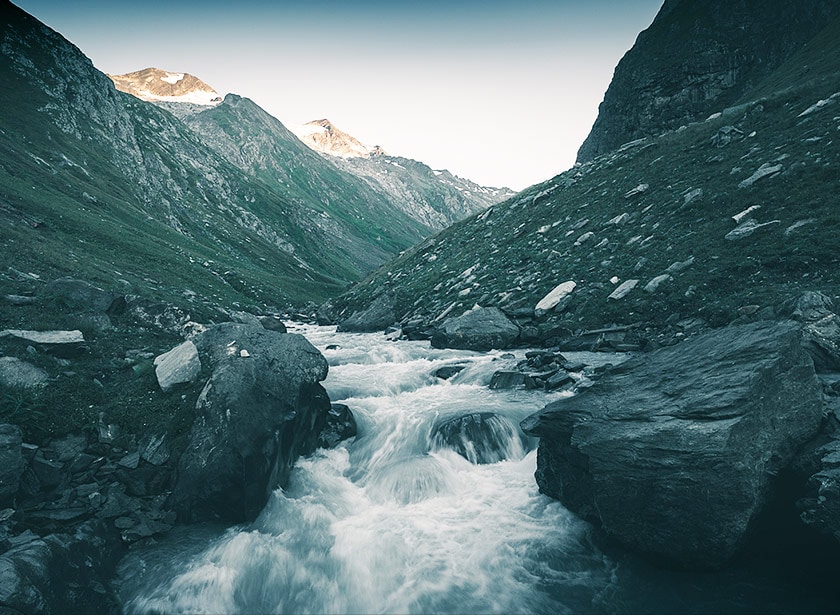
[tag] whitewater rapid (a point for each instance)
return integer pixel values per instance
(390, 521)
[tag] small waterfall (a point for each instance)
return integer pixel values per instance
(483, 437)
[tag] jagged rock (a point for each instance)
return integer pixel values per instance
(178, 366)
(477, 329)
(378, 316)
(623, 289)
(61, 573)
(481, 437)
(558, 380)
(341, 425)
(674, 454)
(747, 228)
(820, 330)
(765, 170)
(82, 295)
(254, 417)
(557, 299)
(726, 135)
(15, 373)
(154, 450)
(640, 189)
(656, 282)
(11, 463)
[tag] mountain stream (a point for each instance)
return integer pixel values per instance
(393, 521)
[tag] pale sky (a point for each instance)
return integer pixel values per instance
(500, 92)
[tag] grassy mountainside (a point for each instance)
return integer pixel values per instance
(660, 206)
(97, 184)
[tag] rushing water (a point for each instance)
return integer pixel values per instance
(395, 522)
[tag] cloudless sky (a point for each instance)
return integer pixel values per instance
(500, 92)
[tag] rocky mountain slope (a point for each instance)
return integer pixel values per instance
(712, 222)
(98, 184)
(437, 198)
(697, 58)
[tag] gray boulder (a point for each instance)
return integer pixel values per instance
(478, 329)
(673, 454)
(178, 366)
(15, 373)
(378, 316)
(78, 294)
(480, 437)
(261, 409)
(11, 463)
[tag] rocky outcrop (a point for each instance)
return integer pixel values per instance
(696, 59)
(477, 329)
(674, 454)
(820, 328)
(260, 410)
(81, 295)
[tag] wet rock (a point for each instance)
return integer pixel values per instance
(478, 329)
(81, 295)
(340, 425)
(481, 437)
(254, 418)
(11, 463)
(507, 380)
(448, 371)
(180, 365)
(673, 454)
(325, 314)
(378, 316)
(558, 380)
(15, 373)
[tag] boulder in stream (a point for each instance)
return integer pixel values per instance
(480, 437)
(477, 329)
(259, 411)
(674, 453)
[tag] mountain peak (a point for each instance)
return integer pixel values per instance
(324, 137)
(157, 85)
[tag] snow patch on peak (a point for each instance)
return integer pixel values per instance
(324, 137)
(172, 78)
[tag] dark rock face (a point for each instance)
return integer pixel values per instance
(378, 316)
(698, 58)
(11, 463)
(262, 408)
(61, 573)
(340, 425)
(673, 454)
(481, 437)
(478, 329)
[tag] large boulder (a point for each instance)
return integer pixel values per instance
(378, 316)
(478, 329)
(260, 410)
(15, 373)
(178, 366)
(479, 437)
(78, 294)
(673, 454)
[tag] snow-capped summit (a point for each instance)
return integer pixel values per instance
(324, 137)
(156, 85)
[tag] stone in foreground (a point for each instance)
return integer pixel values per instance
(478, 329)
(178, 366)
(673, 454)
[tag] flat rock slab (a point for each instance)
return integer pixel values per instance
(52, 338)
(673, 453)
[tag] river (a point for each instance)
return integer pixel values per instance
(392, 521)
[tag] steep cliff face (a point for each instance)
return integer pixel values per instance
(697, 58)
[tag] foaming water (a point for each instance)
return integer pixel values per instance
(397, 521)
(394, 521)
